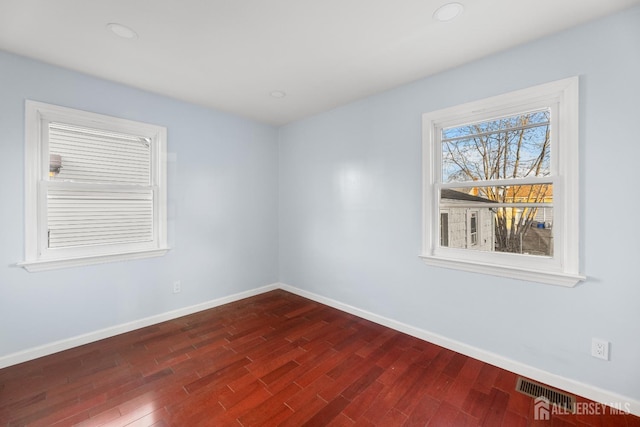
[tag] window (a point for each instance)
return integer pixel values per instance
(503, 173)
(444, 229)
(473, 228)
(95, 188)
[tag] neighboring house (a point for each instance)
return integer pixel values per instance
(464, 226)
(529, 193)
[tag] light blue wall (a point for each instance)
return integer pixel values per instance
(223, 193)
(350, 211)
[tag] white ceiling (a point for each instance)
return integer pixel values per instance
(231, 54)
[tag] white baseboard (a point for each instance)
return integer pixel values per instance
(585, 390)
(47, 349)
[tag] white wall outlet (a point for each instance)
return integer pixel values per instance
(177, 287)
(600, 348)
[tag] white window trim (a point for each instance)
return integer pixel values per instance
(561, 269)
(37, 258)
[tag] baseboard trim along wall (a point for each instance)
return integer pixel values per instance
(590, 392)
(585, 390)
(47, 349)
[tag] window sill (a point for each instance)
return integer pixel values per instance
(548, 277)
(52, 264)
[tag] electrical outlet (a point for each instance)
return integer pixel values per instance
(177, 287)
(600, 348)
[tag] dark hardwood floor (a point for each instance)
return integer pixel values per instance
(273, 359)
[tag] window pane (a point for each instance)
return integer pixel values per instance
(81, 217)
(90, 155)
(522, 218)
(510, 147)
(526, 231)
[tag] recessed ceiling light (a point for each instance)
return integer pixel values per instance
(122, 31)
(448, 12)
(278, 94)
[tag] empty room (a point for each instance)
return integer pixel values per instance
(330, 213)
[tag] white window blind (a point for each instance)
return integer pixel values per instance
(92, 155)
(81, 216)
